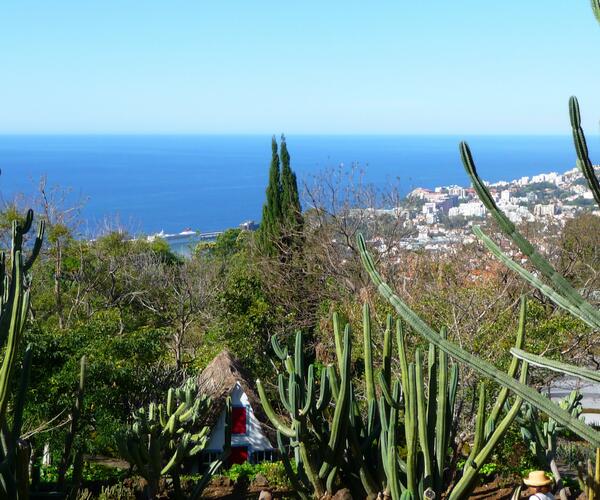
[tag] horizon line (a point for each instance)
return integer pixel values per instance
(297, 134)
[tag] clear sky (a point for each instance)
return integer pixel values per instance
(256, 66)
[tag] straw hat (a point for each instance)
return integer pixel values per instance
(537, 478)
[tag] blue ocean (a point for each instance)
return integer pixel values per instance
(211, 182)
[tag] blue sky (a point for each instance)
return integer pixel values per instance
(239, 66)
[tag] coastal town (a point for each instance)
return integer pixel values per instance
(439, 218)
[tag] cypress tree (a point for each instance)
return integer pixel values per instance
(290, 206)
(281, 226)
(272, 209)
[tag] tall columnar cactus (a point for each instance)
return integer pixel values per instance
(479, 365)
(429, 423)
(556, 287)
(540, 435)
(588, 476)
(317, 433)
(14, 306)
(415, 411)
(162, 436)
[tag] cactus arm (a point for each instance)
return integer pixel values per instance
(384, 421)
(479, 427)
(387, 349)
(597, 469)
(422, 418)
(561, 285)
(337, 335)
(465, 484)
(298, 487)
(512, 370)
(213, 468)
(37, 246)
(479, 365)
(596, 9)
(557, 366)
(176, 458)
(453, 386)
(310, 471)
(14, 334)
(280, 352)
(21, 395)
(516, 494)
(8, 481)
(431, 406)
(366, 478)
(441, 426)
(372, 427)
(410, 426)
(282, 395)
(310, 395)
(392, 466)
(368, 342)
(279, 425)
(583, 157)
(340, 415)
(592, 318)
(333, 382)
(324, 391)
(387, 394)
(402, 356)
(299, 356)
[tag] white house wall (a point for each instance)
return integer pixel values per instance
(254, 438)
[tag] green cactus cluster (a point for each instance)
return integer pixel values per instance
(401, 447)
(547, 280)
(540, 435)
(317, 432)
(161, 436)
(588, 476)
(14, 307)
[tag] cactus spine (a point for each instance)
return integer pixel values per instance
(14, 306)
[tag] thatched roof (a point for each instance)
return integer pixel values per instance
(218, 379)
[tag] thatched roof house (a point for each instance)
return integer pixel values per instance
(252, 437)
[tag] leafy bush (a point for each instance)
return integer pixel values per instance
(91, 472)
(274, 473)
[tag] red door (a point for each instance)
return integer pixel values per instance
(238, 420)
(239, 454)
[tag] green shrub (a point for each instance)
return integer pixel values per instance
(273, 472)
(91, 472)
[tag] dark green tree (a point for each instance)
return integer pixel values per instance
(281, 226)
(290, 200)
(272, 214)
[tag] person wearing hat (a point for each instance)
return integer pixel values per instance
(541, 485)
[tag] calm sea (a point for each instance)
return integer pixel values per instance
(208, 183)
